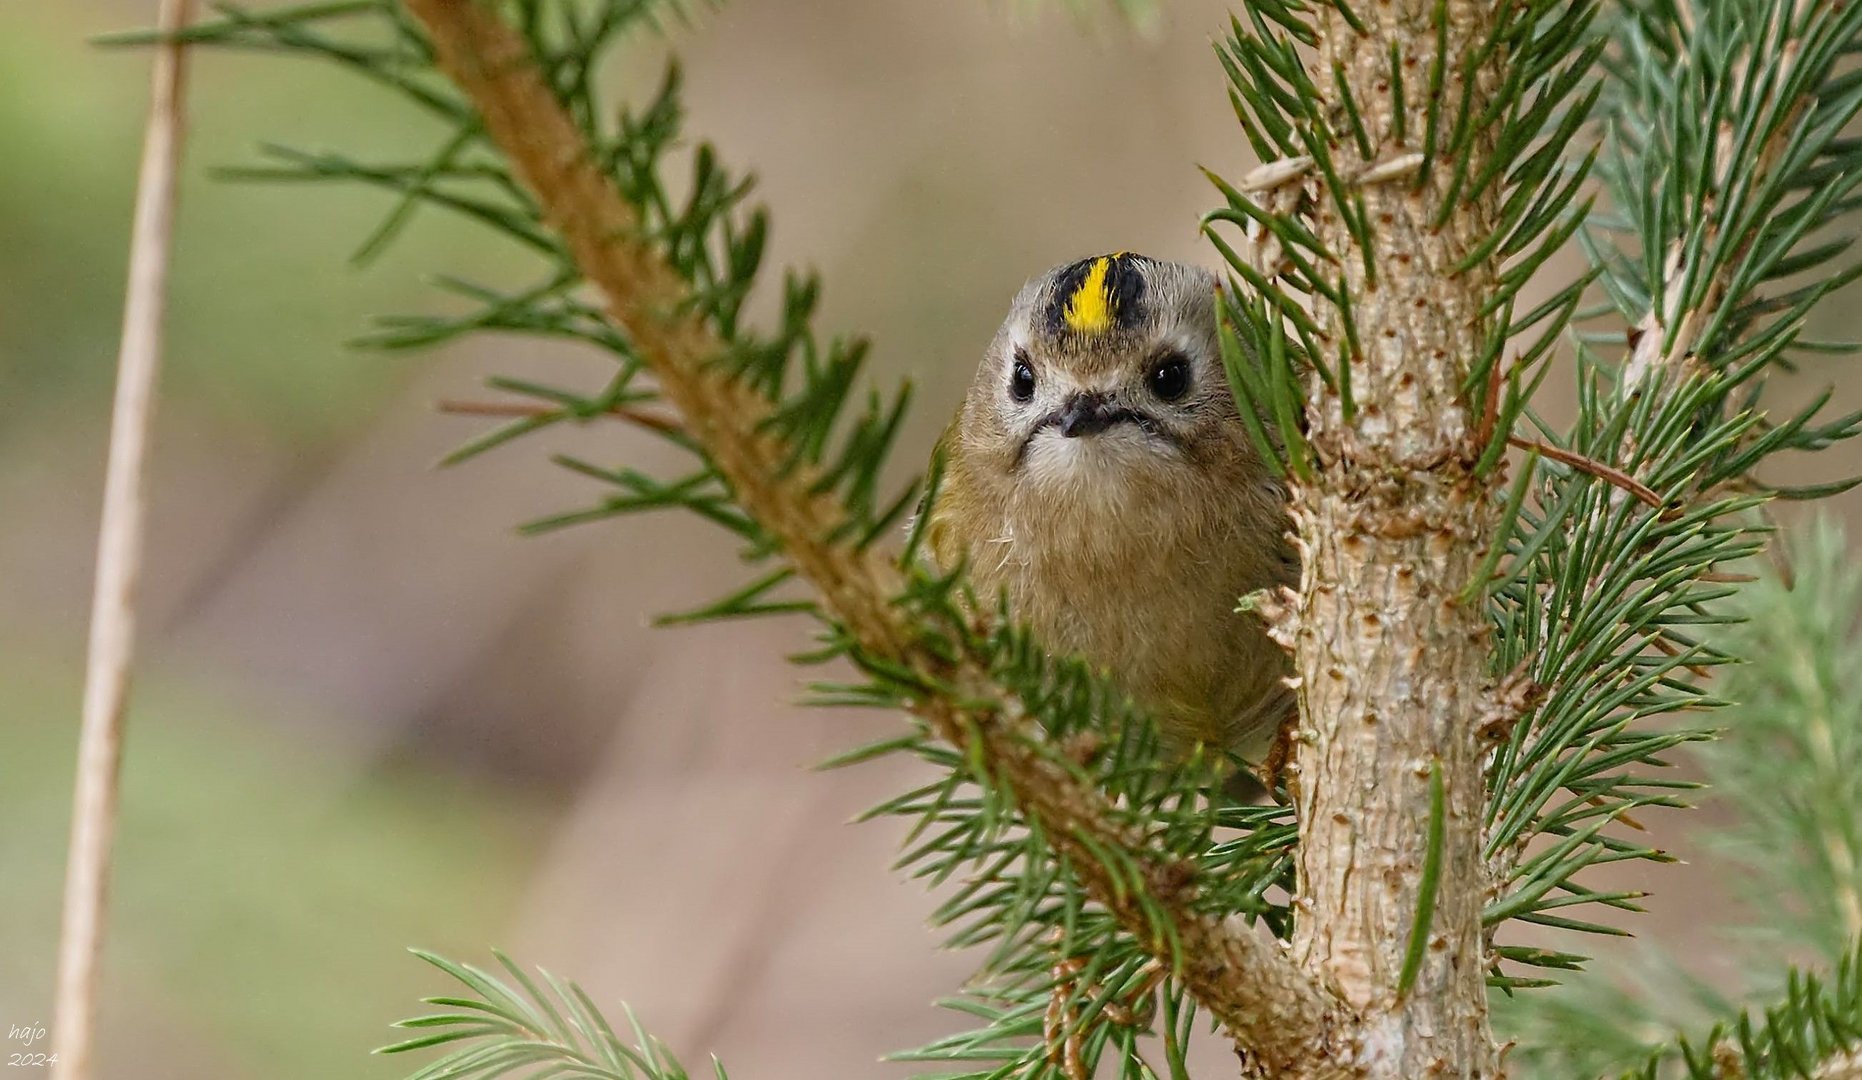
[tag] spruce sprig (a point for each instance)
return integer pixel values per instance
(1722, 158)
(1784, 771)
(519, 1024)
(1810, 1033)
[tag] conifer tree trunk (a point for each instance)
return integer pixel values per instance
(1392, 662)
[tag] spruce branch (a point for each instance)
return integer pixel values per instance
(1759, 84)
(1811, 1033)
(1722, 160)
(523, 1027)
(1784, 771)
(1271, 1009)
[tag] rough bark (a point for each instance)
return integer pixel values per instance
(1392, 666)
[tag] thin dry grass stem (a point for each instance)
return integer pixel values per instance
(119, 563)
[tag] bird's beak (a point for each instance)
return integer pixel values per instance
(1086, 414)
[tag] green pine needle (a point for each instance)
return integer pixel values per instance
(522, 1027)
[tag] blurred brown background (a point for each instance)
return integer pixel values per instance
(371, 716)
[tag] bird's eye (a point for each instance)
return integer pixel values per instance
(1169, 377)
(1021, 377)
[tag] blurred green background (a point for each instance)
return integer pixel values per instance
(369, 716)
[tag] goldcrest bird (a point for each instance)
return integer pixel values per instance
(1099, 473)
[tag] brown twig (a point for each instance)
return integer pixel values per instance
(1276, 1014)
(1608, 474)
(1671, 650)
(111, 650)
(657, 421)
(1490, 408)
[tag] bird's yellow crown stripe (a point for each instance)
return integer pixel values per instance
(1089, 309)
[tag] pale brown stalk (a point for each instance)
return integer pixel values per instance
(119, 563)
(1282, 1022)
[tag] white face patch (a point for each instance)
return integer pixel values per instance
(1121, 455)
